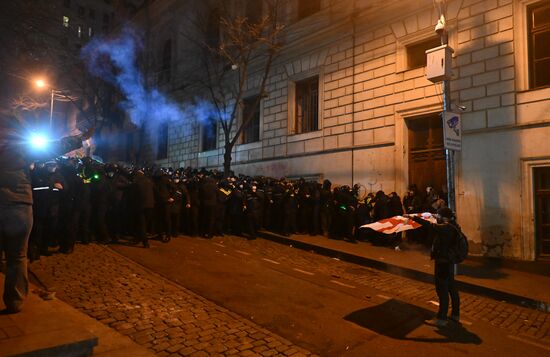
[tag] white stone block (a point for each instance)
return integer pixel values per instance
(486, 78)
(295, 148)
(474, 120)
(501, 116)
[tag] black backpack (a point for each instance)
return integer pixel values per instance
(459, 251)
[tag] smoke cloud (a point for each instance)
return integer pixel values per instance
(115, 61)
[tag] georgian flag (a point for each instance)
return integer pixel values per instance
(398, 224)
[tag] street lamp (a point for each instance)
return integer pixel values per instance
(40, 83)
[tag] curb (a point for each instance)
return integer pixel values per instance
(475, 289)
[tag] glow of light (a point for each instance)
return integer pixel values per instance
(39, 141)
(40, 83)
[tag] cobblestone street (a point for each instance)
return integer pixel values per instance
(164, 317)
(112, 285)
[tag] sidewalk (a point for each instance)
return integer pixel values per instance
(522, 283)
(53, 328)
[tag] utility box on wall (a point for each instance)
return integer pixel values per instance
(439, 63)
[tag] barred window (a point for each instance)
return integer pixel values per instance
(539, 50)
(307, 105)
(209, 134)
(251, 132)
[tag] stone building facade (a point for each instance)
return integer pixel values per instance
(354, 72)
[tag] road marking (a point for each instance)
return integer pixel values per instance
(464, 322)
(220, 245)
(384, 297)
(433, 302)
(303, 271)
(342, 284)
(529, 342)
(244, 253)
(271, 261)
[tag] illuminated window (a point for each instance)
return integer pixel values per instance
(307, 106)
(251, 109)
(90, 32)
(539, 50)
(79, 31)
(65, 21)
(416, 53)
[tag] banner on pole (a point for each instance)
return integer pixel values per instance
(452, 131)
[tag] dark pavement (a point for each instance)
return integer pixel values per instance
(332, 307)
(523, 283)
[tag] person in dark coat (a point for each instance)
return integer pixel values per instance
(144, 204)
(118, 183)
(326, 207)
(194, 207)
(163, 202)
(16, 201)
(235, 207)
(208, 193)
(253, 210)
(446, 232)
(289, 210)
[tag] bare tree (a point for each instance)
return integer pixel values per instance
(235, 58)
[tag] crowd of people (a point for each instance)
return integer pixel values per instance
(85, 200)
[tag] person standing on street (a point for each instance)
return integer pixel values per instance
(445, 238)
(16, 217)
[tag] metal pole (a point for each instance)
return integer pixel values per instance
(51, 110)
(449, 154)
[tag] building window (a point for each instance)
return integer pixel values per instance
(90, 32)
(81, 11)
(209, 134)
(66, 21)
(67, 3)
(539, 50)
(162, 142)
(307, 106)
(416, 53)
(79, 31)
(166, 68)
(91, 13)
(308, 7)
(254, 11)
(251, 109)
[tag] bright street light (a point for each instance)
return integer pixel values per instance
(40, 83)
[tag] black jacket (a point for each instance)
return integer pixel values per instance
(446, 235)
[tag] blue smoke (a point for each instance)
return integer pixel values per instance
(115, 61)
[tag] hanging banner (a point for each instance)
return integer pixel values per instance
(452, 131)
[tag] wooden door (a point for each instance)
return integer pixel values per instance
(542, 211)
(426, 153)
